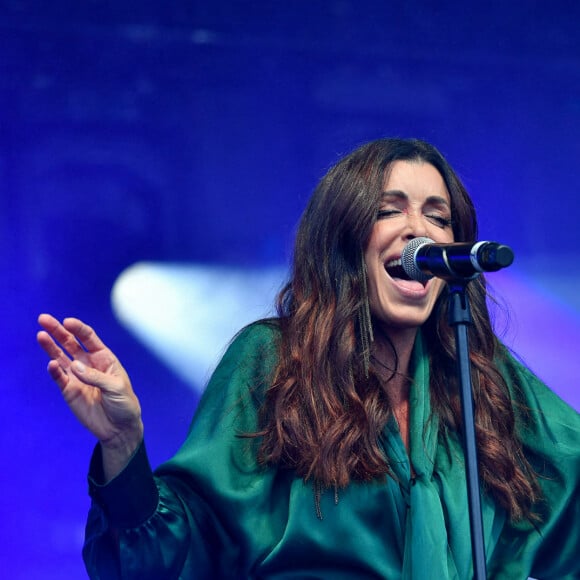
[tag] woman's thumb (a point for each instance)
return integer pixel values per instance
(78, 367)
(88, 375)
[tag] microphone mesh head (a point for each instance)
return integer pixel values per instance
(408, 259)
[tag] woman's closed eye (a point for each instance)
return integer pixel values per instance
(440, 220)
(386, 213)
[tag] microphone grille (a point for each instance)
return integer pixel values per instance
(408, 259)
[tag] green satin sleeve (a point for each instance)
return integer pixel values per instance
(181, 522)
(550, 430)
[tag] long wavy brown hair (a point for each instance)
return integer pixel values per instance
(325, 410)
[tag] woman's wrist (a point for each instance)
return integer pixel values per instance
(117, 453)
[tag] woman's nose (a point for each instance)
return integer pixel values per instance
(415, 226)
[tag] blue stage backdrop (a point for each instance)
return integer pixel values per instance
(155, 157)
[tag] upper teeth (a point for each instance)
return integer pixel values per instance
(396, 262)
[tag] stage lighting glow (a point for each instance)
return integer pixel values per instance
(187, 314)
(544, 330)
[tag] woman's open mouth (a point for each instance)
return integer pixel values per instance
(396, 272)
(395, 269)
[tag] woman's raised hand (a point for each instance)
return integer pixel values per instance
(95, 386)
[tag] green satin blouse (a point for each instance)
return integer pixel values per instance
(211, 512)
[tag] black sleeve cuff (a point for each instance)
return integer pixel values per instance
(131, 497)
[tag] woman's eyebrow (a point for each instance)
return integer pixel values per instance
(396, 193)
(437, 200)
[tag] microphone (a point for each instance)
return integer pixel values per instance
(423, 259)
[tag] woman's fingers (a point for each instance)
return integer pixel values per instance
(84, 334)
(58, 374)
(74, 340)
(77, 354)
(59, 334)
(53, 350)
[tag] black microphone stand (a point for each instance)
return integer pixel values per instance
(459, 316)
